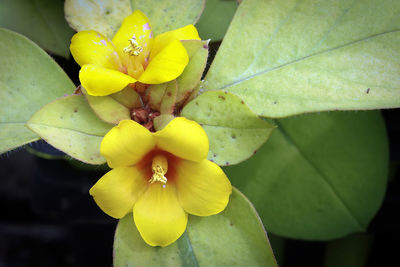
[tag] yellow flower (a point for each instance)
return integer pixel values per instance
(161, 177)
(132, 55)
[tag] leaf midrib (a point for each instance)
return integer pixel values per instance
(321, 174)
(63, 128)
(236, 128)
(303, 58)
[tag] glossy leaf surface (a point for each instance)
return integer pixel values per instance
(234, 131)
(307, 56)
(319, 176)
(70, 125)
(25, 87)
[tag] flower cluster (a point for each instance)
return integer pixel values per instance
(159, 176)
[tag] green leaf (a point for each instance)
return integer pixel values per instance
(320, 176)
(40, 20)
(168, 15)
(116, 107)
(29, 79)
(216, 18)
(234, 131)
(70, 125)
(106, 16)
(234, 237)
(306, 56)
(190, 78)
(168, 101)
(161, 121)
(155, 94)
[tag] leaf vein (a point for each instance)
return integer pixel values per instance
(322, 175)
(303, 58)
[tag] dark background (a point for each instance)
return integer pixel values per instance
(48, 218)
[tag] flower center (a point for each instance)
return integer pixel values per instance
(134, 49)
(159, 167)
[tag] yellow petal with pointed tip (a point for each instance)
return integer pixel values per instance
(136, 26)
(188, 32)
(167, 65)
(91, 47)
(126, 144)
(117, 191)
(159, 216)
(99, 81)
(203, 187)
(184, 138)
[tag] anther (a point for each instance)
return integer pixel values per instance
(134, 49)
(159, 168)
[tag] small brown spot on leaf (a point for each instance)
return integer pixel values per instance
(227, 163)
(169, 94)
(367, 91)
(255, 151)
(242, 102)
(75, 110)
(222, 97)
(214, 155)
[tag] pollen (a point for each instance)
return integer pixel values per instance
(134, 49)
(159, 167)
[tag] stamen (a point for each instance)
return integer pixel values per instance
(134, 49)
(159, 168)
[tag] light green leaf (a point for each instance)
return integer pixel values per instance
(320, 176)
(108, 109)
(115, 107)
(291, 57)
(106, 16)
(168, 15)
(234, 131)
(234, 237)
(155, 94)
(168, 101)
(71, 126)
(40, 20)
(190, 78)
(161, 121)
(29, 79)
(216, 18)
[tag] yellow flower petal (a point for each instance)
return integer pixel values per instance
(168, 64)
(99, 81)
(136, 26)
(90, 47)
(126, 144)
(117, 191)
(184, 138)
(158, 215)
(203, 187)
(188, 32)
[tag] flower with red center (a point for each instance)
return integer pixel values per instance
(133, 55)
(160, 177)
